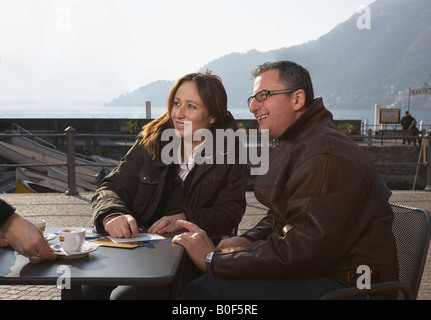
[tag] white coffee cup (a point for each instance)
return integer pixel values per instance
(72, 239)
(40, 223)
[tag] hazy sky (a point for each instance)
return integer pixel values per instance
(90, 51)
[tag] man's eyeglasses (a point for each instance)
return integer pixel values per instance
(264, 94)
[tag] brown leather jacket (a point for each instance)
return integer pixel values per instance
(328, 210)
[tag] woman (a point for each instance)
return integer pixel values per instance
(145, 192)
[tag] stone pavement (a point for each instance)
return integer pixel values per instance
(75, 211)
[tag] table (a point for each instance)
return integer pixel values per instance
(156, 263)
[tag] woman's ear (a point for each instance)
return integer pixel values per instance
(212, 120)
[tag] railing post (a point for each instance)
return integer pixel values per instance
(428, 160)
(71, 188)
(370, 137)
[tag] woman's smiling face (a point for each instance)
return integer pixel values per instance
(188, 109)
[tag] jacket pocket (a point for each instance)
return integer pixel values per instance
(144, 201)
(218, 180)
(147, 178)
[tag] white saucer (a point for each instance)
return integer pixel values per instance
(49, 236)
(87, 247)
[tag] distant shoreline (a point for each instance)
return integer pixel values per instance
(135, 113)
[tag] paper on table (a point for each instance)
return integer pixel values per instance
(140, 237)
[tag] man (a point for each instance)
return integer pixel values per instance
(406, 122)
(415, 133)
(328, 208)
(22, 235)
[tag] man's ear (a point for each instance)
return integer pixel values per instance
(299, 99)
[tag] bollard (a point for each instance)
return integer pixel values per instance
(428, 160)
(71, 180)
(147, 109)
(370, 137)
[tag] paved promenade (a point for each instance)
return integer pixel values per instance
(75, 211)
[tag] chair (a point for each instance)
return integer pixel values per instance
(411, 228)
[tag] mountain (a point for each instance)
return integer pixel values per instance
(156, 92)
(351, 67)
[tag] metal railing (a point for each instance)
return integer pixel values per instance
(423, 141)
(70, 135)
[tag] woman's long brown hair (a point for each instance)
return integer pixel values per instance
(213, 96)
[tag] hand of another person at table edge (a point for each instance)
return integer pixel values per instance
(26, 238)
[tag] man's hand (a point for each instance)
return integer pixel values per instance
(196, 242)
(26, 238)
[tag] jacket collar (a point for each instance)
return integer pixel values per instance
(313, 115)
(209, 151)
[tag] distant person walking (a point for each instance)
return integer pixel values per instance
(406, 122)
(415, 132)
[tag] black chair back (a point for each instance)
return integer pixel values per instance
(411, 229)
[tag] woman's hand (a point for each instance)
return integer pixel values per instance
(167, 224)
(3, 241)
(233, 242)
(121, 226)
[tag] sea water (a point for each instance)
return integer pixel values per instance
(102, 112)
